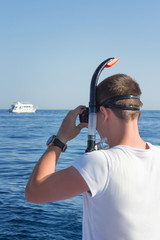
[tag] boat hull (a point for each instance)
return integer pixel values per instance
(22, 111)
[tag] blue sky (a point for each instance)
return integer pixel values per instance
(50, 49)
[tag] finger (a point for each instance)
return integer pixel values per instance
(78, 110)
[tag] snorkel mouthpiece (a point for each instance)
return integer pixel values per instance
(92, 103)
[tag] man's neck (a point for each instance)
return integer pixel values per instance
(125, 133)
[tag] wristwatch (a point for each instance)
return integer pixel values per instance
(54, 141)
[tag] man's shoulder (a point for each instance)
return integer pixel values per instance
(155, 147)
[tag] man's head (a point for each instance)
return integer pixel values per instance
(120, 85)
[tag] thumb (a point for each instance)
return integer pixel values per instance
(80, 126)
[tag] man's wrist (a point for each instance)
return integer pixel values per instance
(62, 139)
(55, 141)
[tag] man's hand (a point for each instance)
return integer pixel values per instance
(68, 129)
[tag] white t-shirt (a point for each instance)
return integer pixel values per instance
(125, 188)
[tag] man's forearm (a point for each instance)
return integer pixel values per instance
(43, 169)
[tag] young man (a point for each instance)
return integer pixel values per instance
(120, 185)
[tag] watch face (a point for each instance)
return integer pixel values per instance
(50, 139)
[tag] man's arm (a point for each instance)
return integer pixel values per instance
(47, 185)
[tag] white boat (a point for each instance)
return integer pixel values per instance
(19, 107)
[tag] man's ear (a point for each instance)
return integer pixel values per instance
(105, 113)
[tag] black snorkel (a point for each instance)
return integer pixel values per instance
(92, 103)
(89, 114)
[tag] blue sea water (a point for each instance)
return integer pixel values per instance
(22, 142)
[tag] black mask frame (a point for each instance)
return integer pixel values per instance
(111, 103)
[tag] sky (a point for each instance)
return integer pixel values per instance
(49, 49)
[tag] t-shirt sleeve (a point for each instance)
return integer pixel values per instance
(94, 169)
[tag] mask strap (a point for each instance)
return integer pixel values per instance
(110, 103)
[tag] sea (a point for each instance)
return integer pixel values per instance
(22, 141)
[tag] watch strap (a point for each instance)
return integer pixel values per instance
(58, 143)
(54, 141)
